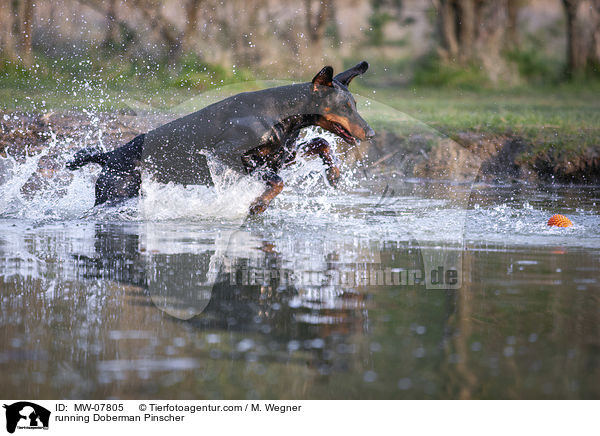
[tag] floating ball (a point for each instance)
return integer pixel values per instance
(559, 221)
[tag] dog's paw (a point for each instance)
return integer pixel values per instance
(258, 207)
(333, 176)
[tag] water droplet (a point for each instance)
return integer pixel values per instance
(370, 376)
(375, 347)
(213, 339)
(245, 345)
(404, 384)
(293, 345)
(419, 353)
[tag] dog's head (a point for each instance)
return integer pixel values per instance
(336, 106)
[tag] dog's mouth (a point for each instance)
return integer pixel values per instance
(343, 133)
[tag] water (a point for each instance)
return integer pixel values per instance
(437, 290)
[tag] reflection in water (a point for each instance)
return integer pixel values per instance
(386, 288)
(239, 283)
(231, 296)
(298, 307)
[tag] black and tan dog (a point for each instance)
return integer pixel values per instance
(251, 133)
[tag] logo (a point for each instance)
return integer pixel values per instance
(26, 415)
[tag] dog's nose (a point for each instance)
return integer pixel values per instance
(369, 133)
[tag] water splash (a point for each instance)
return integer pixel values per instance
(38, 188)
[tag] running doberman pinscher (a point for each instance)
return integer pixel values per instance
(252, 133)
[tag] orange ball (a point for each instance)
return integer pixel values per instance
(559, 221)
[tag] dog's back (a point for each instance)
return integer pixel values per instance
(176, 152)
(253, 133)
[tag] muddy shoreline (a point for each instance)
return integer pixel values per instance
(468, 156)
(484, 157)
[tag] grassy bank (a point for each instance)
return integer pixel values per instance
(559, 125)
(108, 83)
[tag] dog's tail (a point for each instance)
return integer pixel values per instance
(86, 156)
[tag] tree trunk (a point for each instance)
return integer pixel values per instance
(169, 34)
(467, 26)
(7, 37)
(473, 32)
(316, 23)
(583, 36)
(458, 21)
(15, 6)
(112, 37)
(595, 49)
(447, 16)
(26, 33)
(575, 55)
(512, 29)
(192, 8)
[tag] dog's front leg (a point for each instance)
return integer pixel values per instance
(321, 147)
(274, 187)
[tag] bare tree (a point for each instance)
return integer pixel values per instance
(459, 21)
(475, 32)
(112, 36)
(7, 34)
(192, 8)
(447, 25)
(595, 51)
(583, 35)
(316, 22)
(17, 39)
(26, 48)
(575, 56)
(15, 6)
(170, 35)
(512, 29)
(116, 27)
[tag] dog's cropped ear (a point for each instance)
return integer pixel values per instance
(323, 78)
(346, 77)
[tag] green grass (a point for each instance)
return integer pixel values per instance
(561, 119)
(97, 82)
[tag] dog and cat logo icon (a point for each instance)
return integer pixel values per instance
(26, 415)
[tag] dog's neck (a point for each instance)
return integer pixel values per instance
(297, 122)
(293, 110)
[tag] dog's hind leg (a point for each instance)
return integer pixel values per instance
(113, 185)
(274, 187)
(321, 147)
(121, 178)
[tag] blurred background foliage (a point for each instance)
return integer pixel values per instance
(198, 44)
(527, 69)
